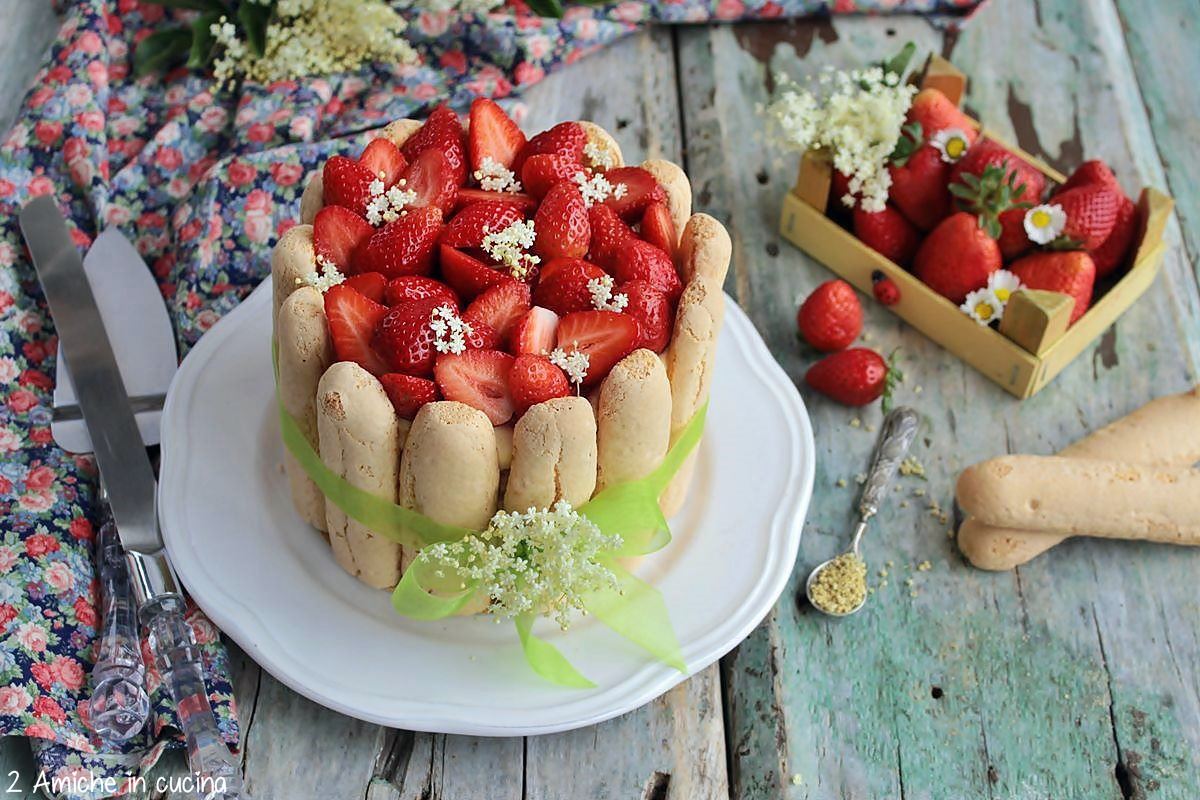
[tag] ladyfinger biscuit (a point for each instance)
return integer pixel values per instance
(1071, 496)
(554, 455)
(399, 131)
(677, 186)
(504, 446)
(292, 259)
(1165, 431)
(450, 471)
(304, 352)
(602, 151)
(704, 249)
(633, 419)
(358, 435)
(313, 198)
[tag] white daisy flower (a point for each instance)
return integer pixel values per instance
(983, 306)
(1044, 223)
(952, 143)
(1003, 283)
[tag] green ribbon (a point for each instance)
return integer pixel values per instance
(635, 610)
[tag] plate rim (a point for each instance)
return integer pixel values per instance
(636, 689)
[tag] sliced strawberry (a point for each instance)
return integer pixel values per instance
(408, 393)
(346, 183)
(604, 336)
(352, 319)
(337, 233)
(468, 275)
(658, 227)
(368, 284)
(541, 172)
(441, 132)
(467, 196)
(402, 247)
(641, 189)
(406, 339)
(408, 288)
(431, 177)
(478, 378)
(639, 260)
(609, 235)
(493, 135)
(469, 226)
(534, 332)
(384, 159)
(500, 307)
(563, 287)
(565, 138)
(533, 379)
(562, 224)
(652, 310)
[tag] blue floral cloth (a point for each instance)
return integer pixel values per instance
(203, 184)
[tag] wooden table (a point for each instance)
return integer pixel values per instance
(1073, 677)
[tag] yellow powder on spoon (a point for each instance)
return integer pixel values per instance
(841, 586)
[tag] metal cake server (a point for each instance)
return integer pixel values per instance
(128, 478)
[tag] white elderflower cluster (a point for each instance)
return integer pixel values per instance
(855, 115)
(450, 331)
(510, 247)
(603, 298)
(575, 363)
(328, 276)
(387, 205)
(598, 157)
(537, 561)
(597, 188)
(495, 177)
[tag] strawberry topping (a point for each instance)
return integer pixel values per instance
(352, 319)
(478, 378)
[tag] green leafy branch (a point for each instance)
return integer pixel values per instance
(194, 41)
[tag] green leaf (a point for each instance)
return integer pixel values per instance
(202, 40)
(193, 5)
(546, 8)
(159, 50)
(254, 19)
(899, 62)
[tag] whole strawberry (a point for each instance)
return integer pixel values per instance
(402, 247)
(1112, 253)
(994, 196)
(1091, 212)
(1027, 181)
(852, 377)
(831, 317)
(443, 132)
(957, 257)
(934, 112)
(919, 184)
(406, 339)
(1089, 172)
(561, 223)
(1070, 272)
(888, 233)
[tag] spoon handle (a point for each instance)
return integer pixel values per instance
(899, 430)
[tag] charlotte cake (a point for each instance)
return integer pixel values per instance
(468, 320)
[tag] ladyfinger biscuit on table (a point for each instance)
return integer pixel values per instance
(554, 455)
(399, 131)
(603, 142)
(1165, 431)
(313, 198)
(677, 186)
(1071, 496)
(304, 353)
(292, 258)
(359, 440)
(633, 419)
(704, 249)
(450, 471)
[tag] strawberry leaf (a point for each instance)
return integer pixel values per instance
(898, 63)
(911, 138)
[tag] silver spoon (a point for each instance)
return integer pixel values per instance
(899, 430)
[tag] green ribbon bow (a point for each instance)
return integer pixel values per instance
(634, 609)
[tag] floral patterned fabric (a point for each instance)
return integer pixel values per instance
(203, 184)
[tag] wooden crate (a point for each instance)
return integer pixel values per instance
(1036, 343)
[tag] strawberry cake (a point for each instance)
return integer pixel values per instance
(468, 320)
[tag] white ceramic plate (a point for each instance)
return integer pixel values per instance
(269, 581)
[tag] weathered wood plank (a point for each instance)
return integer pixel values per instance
(28, 30)
(981, 685)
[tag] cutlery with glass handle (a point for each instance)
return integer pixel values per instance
(128, 478)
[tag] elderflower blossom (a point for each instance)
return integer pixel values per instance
(328, 277)
(313, 37)
(450, 331)
(574, 363)
(856, 116)
(387, 205)
(603, 298)
(509, 246)
(495, 177)
(597, 189)
(538, 561)
(598, 157)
